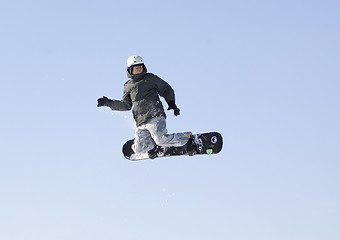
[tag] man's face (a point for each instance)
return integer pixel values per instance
(137, 69)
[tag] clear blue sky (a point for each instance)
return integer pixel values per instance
(263, 73)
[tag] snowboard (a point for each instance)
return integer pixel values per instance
(206, 143)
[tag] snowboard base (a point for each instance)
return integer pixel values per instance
(206, 144)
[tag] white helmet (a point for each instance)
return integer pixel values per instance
(134, 60)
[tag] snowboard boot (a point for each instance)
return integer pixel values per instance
(190, 147)
(153, 152)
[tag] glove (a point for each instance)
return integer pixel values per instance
(173, 106)
(104, 101)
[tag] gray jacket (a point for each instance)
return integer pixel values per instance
(142, 93)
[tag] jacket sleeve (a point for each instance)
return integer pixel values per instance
(164, 89)
(124, 105)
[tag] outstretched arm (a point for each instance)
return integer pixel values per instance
(124, 105)
(115, 105)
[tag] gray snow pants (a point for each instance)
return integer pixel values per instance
(153, 133)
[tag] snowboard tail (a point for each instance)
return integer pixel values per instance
(205, 144)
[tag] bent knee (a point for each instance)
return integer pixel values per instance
(161, 140)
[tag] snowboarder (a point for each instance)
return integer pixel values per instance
(141, 92)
